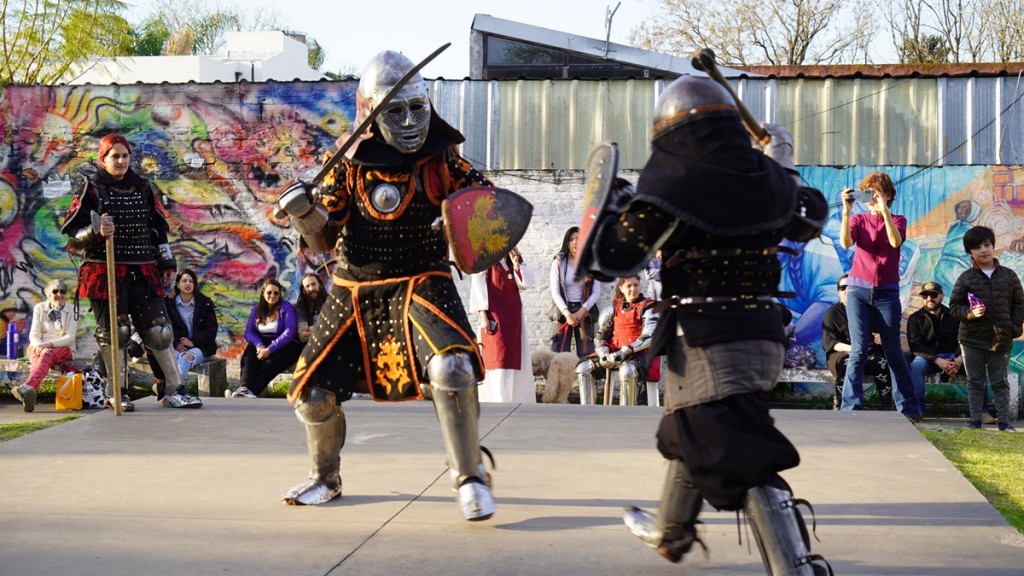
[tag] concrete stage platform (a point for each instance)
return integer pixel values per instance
(177, 492)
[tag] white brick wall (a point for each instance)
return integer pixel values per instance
(557, 198)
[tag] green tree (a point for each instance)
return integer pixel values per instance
(317, 54)
(41, 40)
(152, 37)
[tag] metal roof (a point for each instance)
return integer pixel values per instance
(676, 65)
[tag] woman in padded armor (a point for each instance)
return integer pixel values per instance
(111, 199)
(623, 336)
(393, 325)
(717, 209)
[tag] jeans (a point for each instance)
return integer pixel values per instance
(184, 364)
(920, 368)
(877, 309)
(980, 363)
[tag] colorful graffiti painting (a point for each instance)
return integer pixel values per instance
(220, 153)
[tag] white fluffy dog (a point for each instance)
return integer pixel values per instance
(559, 373)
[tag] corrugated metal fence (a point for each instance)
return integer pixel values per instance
(553, 124)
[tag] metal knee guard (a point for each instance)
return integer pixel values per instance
(588, 388)
(780, 532)
(674, 530)
(454, 392)
(325, 426)
(628, 384)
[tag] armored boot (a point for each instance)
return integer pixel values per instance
(588, 388)
(780, 532)
(325, 437)
(106, 355)
(453, 389)
(27, 395)
(674, 530)
(171, 392)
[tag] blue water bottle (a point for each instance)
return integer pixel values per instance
(12, 340)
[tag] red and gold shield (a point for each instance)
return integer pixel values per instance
(482, 224)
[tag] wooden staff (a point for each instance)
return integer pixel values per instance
(115, 370)
(608, 387)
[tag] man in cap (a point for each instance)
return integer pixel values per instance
(932, 334)
(717, 209)
(393, 324)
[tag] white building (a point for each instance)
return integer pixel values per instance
(249, 56)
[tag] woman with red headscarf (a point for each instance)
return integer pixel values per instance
(112, 200)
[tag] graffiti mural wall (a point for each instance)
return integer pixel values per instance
(219, 152)
(222, 152)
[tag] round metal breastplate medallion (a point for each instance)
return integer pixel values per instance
(386, 198)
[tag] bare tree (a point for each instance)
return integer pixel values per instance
(1002, 24)
(750, 32)
(40, 40)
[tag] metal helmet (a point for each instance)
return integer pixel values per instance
(406, 119)
(688, 98)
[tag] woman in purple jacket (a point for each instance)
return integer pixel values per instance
(873, 296)
(271, 334)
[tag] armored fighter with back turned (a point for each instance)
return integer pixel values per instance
(717, 209)
(393, 325)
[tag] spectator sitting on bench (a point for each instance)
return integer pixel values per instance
(272, 333)
(835, 338)
(193, 317)
(51, 340)
(307, 307)
(932, 333)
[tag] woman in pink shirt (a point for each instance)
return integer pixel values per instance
(873, 297)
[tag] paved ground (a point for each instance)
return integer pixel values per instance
(171, 492)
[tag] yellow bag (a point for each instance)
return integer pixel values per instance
(69, 391)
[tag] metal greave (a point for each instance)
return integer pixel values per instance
(680, 505)
(780, 531)
(324, 440)
(458, 412)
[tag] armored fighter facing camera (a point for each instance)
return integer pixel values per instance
(393, 325)
(717, 209)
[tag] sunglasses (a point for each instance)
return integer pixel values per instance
(56, 291)
(930, 296)
(273, 292)
(842, 288)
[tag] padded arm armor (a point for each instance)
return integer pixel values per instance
(603, 331)
(643, 342)
(86, 236)
(309, 217)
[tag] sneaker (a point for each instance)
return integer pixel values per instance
(1005, 427)
(987, 418)
(975, 424)
(181, 400)
(242, 392)
(27, 395)
(126, 403)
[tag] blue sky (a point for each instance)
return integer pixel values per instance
(353, 31)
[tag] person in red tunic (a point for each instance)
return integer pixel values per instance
(623, 334)
(504, 344)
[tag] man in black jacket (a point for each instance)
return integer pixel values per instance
(932, 335)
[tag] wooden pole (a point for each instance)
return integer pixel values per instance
(115, 370)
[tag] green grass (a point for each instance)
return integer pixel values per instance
(990, 460)
(12, 431)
